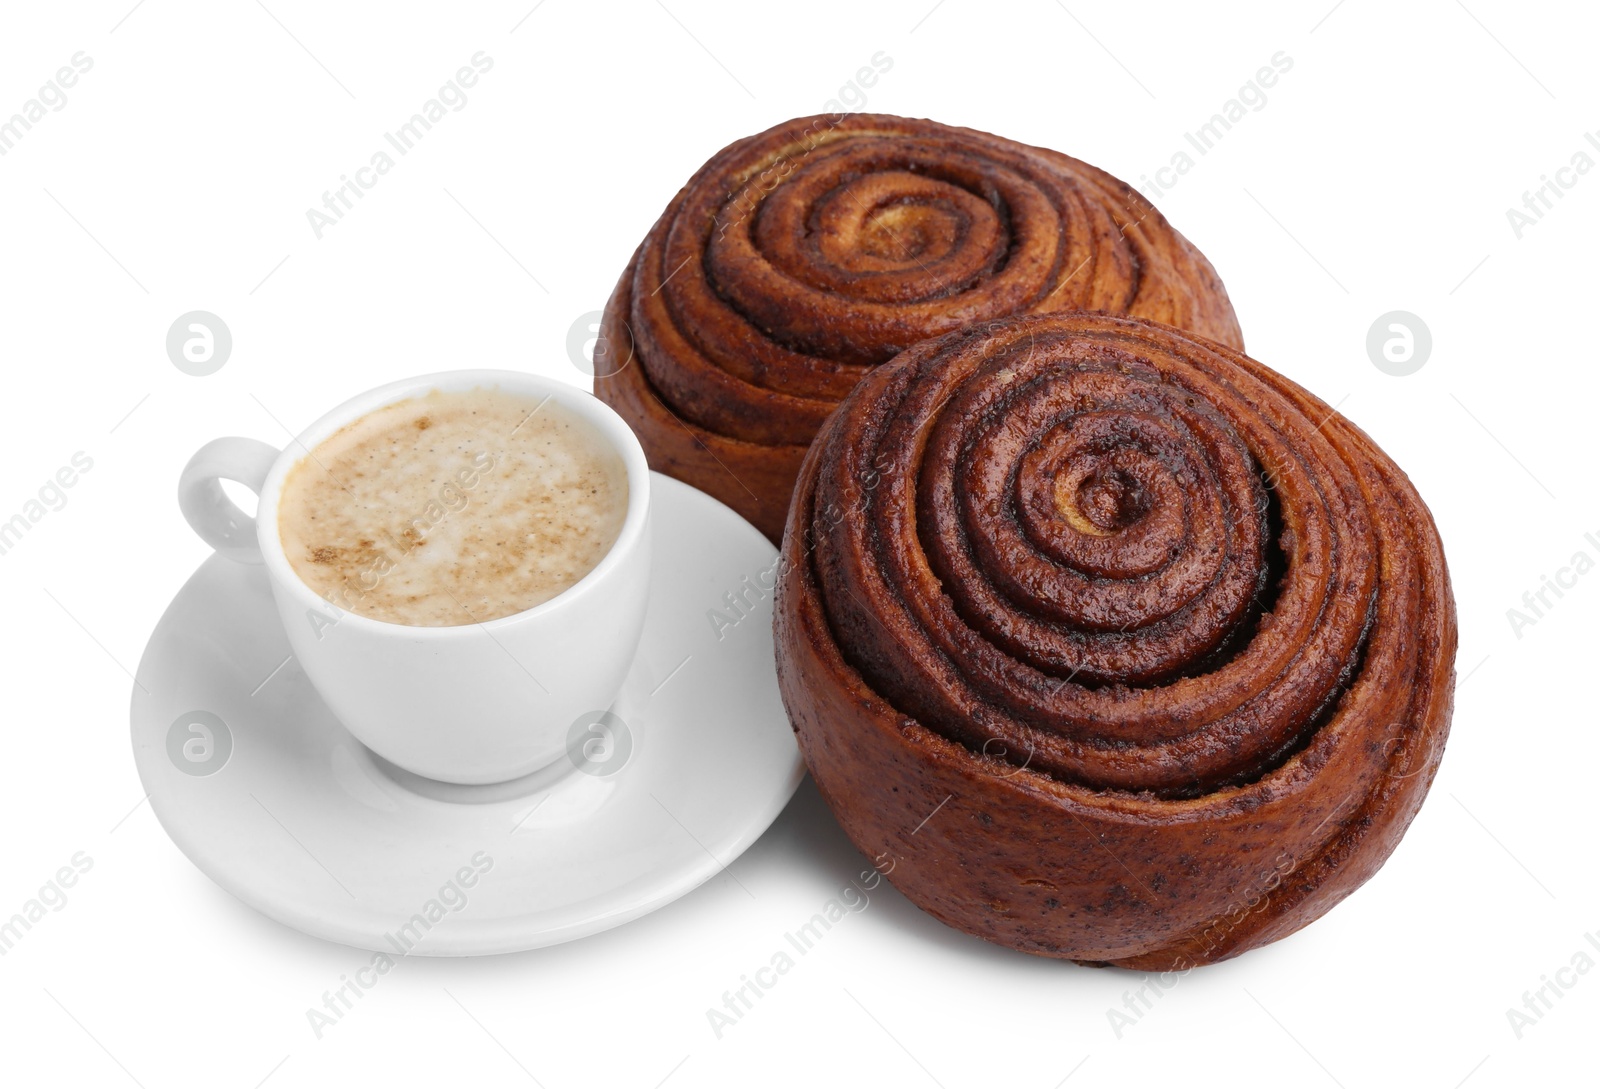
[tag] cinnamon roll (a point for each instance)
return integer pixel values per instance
(798, 259)
(1109, 643)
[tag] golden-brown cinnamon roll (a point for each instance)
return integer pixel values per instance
(797, 259)
(1109, 642)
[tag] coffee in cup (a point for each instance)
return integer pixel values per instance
(455, 507)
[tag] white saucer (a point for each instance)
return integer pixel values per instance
(254, 779)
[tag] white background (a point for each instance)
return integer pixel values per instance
(1376, 177)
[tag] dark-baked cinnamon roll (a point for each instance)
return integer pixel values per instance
(797, 259)
(1109, 642)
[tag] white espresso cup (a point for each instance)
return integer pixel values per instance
(476, 703)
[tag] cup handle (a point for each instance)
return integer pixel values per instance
(218, 520)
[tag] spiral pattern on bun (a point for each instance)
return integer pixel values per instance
(1154, 633)
(798, 259)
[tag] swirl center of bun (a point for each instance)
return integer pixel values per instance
(1099, 547)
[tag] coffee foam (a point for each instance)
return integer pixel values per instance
(453, 508)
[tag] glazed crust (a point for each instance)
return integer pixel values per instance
(798, 259)
(1109, 643)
